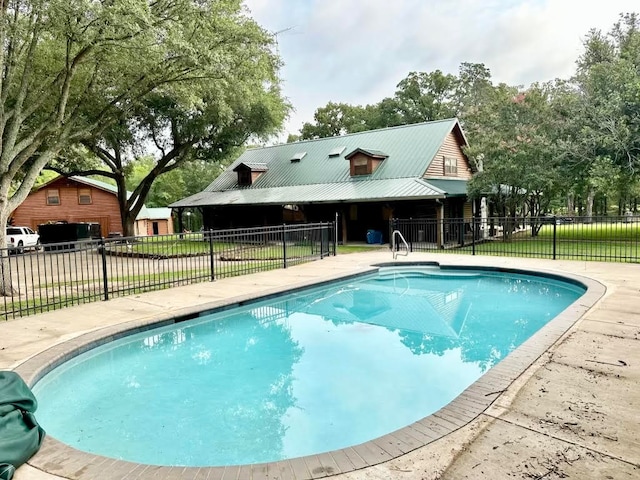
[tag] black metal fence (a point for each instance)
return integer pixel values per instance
(58, 275)
(607, 239)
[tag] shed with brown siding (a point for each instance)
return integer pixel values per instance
(73, 200)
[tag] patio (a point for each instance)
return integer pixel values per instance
(572, 413)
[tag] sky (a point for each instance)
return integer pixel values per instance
(357, 51)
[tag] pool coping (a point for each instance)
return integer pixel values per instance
(59, 459)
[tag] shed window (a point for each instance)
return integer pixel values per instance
(53, 196)
(450, 166)
(84, 196)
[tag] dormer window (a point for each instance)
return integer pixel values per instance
(248, 173)
(244, 177)
(450, 166)
(360, 165)
(364, 162)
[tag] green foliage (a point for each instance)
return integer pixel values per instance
(423, 97)
(220, 89)
(514, 144)
(188, 179)
(559, 145)
(420, 97)
(604, 141)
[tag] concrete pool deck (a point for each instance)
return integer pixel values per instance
(574, 412)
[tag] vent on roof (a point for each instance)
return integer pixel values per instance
(296, 157)
(336, 152)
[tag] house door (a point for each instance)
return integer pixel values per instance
(154, 226)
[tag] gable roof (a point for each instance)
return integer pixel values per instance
(85, 181)
(368, 152)
(254, 167)
(322, 177)
(154, 213)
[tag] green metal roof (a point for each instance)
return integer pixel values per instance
(319, 177)
(154, 213)
(96, 183)
(451, 188)
(405, 188)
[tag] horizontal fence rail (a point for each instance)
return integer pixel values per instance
(57, 275)
(606, 239)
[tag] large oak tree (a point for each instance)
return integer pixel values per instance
(235, 96)
(74, 71)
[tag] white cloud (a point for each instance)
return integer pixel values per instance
(356, 51)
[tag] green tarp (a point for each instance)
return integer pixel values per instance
(20, 434)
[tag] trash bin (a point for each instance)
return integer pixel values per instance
(374, 236)
(64, 234)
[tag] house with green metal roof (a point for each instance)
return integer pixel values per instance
(365, 179)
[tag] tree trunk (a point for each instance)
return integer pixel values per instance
(591, 195)
(571, 204)
(6, 284)
(128, 225)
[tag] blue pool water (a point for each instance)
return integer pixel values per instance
(304, 373)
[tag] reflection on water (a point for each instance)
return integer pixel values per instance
(311, 372)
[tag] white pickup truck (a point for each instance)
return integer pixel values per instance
(21, 238)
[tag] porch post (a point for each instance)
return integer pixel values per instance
(440, 220)
(344, 227)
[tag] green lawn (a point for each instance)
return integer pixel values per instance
(597, 242)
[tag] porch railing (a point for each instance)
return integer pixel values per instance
(58, 275)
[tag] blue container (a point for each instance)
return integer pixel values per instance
(374, 236)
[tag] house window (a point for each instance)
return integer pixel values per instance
(244, 177)
(84, 196)
(53, 196)
(450, 166)
(360, 166)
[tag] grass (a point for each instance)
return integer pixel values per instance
(346, 249)
(594, 242)
(55, 295)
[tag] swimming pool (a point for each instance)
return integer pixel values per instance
(403, 359)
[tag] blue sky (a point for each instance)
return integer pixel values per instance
(356, 51)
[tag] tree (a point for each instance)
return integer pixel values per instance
(332, 120)
(420, 97)
(606, 135)
(234, 96)
(71, 68)
(473, 88)
(423, 97)
(520, 163)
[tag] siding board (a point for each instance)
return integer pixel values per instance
(450, 148)
(103, 208)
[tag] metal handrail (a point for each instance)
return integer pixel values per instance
(393, 244)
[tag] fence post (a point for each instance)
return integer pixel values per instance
(555, 235)
(284, 245)
(334, 240)
(412, 230)
(211, 262)
(321, 242)
(473, 235)
(105, 284)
